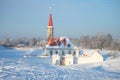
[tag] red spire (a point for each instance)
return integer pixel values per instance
(50, 23)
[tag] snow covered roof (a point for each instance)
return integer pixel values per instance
(62, 42)
(88, 52)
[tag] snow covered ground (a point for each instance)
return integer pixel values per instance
(13, 66)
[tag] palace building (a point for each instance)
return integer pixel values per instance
(63, 52)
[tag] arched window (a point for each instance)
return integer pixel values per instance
(63, 61)
(63, 52)
(69, 52)
(56, 51)
(68, 45)
(51, 52)
(74, 52)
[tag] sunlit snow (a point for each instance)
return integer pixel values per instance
(14, 66)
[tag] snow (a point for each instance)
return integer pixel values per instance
(72, 46)
(13, 66)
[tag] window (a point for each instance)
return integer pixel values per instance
(63, 61)
(74, 52)
(63, 52)
(69, 52)
(68, 45)
(51, 52)
(56, 51)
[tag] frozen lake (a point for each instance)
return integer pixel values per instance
(13, 66)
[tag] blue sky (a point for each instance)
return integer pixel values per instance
(72, 18)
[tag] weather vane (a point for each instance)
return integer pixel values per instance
(50, 9)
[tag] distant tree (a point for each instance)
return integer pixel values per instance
(92, 42)
(22, 41)
(7, 42)
(118, 42)
(36, 42)
(85, 41)
(108, 41)
(102, 40)
(43, 43)
(75, 41)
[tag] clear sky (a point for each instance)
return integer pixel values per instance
(72, 18)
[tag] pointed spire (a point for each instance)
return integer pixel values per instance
(50, 26)
(50, 23)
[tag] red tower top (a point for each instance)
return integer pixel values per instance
(50, 23)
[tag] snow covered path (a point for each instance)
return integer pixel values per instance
(34, 68)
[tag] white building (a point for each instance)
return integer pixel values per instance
(63, 52)
(90, 56)
(64, 60)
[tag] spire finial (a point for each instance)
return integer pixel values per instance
(50, 9)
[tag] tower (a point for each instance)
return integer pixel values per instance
(50, 27)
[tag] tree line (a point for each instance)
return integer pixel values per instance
(23, 42)
(97, 41)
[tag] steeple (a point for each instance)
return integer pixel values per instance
(50, 23)
(50, 26)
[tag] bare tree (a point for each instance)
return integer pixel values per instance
(85, 41)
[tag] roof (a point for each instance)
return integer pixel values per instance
(51, 42)
(50, 23)
(61, 42)
(89, 52)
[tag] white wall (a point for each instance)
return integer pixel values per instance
(68, 59)
(95, 57)
(56, 59)
(83, 59)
